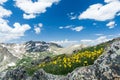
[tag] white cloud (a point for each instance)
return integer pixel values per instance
(4, 12)
(99, 34)
(68, 27)
(8, 33)
(102, 12)
(20, 29)
(72, 27)
(4, 27)
(65, 42)
(37, 28)
(28, 16)
(72, 16)
(108, 1)
(95, 41)
(31, 9)
(40, 25)
(78, 29)
(111, 24)
(2, 1)
(89, 42)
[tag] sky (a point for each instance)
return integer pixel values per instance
(61, 21)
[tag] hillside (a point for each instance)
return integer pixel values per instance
(64, 64)
(32, 50)
(6, 58)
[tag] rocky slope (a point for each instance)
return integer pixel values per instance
(19, 50)
(39, 46)
(11, 52)
(106, 67)
(6, 58)
(70, 49)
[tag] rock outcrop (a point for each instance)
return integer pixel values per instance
(39, 46)
(6, 58)
(106, 67)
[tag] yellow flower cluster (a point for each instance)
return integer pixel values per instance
(84, 58)
(66, 63)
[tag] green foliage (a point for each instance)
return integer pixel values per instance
(24, 61)
(64, 64)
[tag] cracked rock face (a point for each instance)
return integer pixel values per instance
(106, 67)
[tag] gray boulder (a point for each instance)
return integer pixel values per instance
(106, 67)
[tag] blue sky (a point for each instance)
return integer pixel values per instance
(60, 21)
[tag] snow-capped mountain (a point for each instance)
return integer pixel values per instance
(39, 46)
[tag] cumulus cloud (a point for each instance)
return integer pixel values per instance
(32, 9)
(20, 29)
(3, 23)
(95, 41)
(111, 24)
(2, 1)
(9, 33)
(4, 12)
(37, 28)
(65, 42)
(72, 27)
(102, 12)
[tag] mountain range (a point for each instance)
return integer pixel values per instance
(11, 52)
(19, 60)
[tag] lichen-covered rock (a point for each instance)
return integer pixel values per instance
(16, 74)
(106, 67)
(42, 75)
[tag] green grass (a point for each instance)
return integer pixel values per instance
(55, 69)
